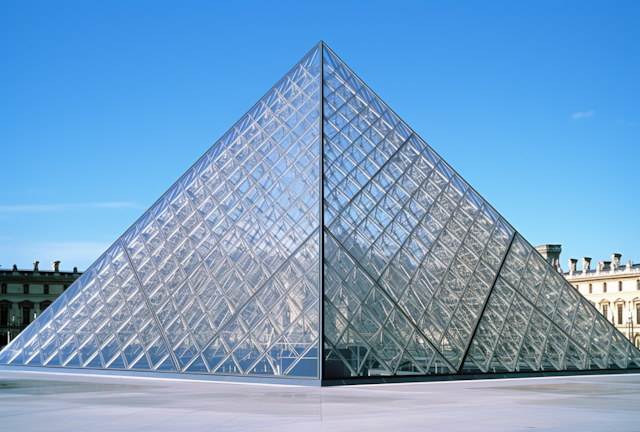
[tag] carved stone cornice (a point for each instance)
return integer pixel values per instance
(40, 278)
(26, 303)
(609, 274)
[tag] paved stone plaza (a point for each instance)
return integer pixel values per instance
(60, 402)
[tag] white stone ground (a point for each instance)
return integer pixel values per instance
(55, 402)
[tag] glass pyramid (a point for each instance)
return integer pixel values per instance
(419, 275)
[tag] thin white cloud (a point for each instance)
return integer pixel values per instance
(623, 121)
(580, 115)
(44, 208)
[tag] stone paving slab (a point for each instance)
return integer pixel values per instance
(31, 401)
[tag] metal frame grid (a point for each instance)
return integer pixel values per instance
(220, 271)
(419, 275)
(344, 169)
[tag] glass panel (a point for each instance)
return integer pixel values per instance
(431, 251)
(242, 221)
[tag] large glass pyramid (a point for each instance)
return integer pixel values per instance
(419, 275)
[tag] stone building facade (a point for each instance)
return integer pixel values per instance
(24, 294)
(611, 286)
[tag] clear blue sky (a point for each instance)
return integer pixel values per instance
(104, 104)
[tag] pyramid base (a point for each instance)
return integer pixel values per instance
(309, 382)
(467, 377)
(163, 375)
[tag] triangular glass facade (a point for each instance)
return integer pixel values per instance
(420, 276)
(221, 275)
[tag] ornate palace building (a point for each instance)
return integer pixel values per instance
(25, 294)
(612, 287)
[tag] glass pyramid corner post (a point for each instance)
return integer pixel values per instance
(221, 275)
(421, 275)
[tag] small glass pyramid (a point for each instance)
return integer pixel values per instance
(419, 275)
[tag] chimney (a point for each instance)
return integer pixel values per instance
(615, 260)
(56, 267)
(572, 266)
(586, 265)
(603, 266)
(551, 252)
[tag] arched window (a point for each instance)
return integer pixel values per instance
(590, 289)
(4, 288)
(46, 289)
(604, 287)
(620, 286)
(26, 288)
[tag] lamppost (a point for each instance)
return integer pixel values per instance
(13, 318)
(11, 324)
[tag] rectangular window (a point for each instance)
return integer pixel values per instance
(619, 314)
(4, 316)
(605, 310)
(638, 313)
(25, 315)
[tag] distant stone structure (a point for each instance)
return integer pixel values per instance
(614, 289)
(25, 294)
